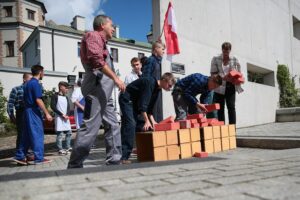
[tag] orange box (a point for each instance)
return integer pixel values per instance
(173, 152)
(186, 150)
(184, 136)
(167, 120)
(201, 154)
(207, 145)
(172, 137)
(225, 143)
(167, 126)
(206, 133)
(146, 142)
(217, 145)
(160, 154)
(195, 134)
(216, 131)
(224, 131)
(232, 131)
(196, 147)
(232, 142)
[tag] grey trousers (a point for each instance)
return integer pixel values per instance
(99, 109)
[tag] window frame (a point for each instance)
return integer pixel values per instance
(30, 14)
(10, 48)
(8, 8)
(115, 56)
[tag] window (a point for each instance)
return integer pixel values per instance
(30, 14)
(10, 48)
(296, 28)
(78, 48)
(140, 55)
(260, 75)
(7, 11)
(25, 59)
(36, 47)
(177, 68)
(114, 54)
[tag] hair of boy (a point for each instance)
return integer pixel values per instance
(226, 45)
(25, 75)
(216, 78)
(36, 69)
(168, 77)
(143, 60)
(157, 44)
(134, 60)
(100, 20)
(63, 83)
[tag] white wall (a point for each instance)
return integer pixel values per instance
(259, 31)
(9, 35)
(4, 19)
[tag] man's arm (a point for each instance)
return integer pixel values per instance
(11, 104)
(147, 124)
(41, 104)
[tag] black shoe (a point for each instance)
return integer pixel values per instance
(113, 163)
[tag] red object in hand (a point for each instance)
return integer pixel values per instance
(167, 126)
(201, 154)
(238, 81)
(167, 120)
(234, 74)
(212, 107)
(195, 116)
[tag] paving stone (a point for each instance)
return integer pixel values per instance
(197, 172)
(180, 187)
(109, 183)
(135, 186)
(237, 197)
(178, 196)
(234, 179)
(148, 178)
(160, 170)
(198, 177)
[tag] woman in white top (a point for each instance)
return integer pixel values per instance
(78, 100)
(222, 65)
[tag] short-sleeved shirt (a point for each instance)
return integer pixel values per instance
(32, 92)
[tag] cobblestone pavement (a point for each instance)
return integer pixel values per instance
(242, 173)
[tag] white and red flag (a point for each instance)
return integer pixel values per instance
(170, 30)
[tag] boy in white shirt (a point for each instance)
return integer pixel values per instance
(136, 71)
(61, 107)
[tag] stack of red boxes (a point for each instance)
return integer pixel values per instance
(172, 140)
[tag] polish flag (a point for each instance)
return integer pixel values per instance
(170, 30)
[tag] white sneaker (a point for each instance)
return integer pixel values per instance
(62, 152)
(68, 151)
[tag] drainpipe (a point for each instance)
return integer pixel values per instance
(53, 55)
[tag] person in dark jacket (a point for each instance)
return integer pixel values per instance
(152, 68)
(186, 90)
(139, 98)
(60, 105)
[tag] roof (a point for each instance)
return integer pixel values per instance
(68, 29)
(39, 3)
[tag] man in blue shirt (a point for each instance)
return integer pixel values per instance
(33, 134)
(139, 98)
(186, 90)
(16, 103)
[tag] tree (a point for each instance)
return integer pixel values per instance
(288, 93)
(3, 101)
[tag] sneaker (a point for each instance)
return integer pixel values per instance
(20, 162)
(62, 152)
(30, 158)
(45, 161)
(69, 150)
(126, 162)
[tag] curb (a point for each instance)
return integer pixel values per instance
(268, 143)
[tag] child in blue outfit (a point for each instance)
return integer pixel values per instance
(33, 129)
(60, 105)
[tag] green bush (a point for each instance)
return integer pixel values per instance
(288, 93)
(3, 100)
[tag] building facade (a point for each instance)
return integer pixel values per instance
(18, 18)
(263, 33)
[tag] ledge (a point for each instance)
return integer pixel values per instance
(288, 114)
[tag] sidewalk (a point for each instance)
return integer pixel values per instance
(236, 174)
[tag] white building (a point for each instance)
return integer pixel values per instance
(263, 33)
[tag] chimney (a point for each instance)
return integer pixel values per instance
(78, 23)
(117, 31)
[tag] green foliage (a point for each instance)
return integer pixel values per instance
(3, 100)
(288, 93)
(47, 94)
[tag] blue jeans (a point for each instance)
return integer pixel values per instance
(59, 139)
(128, 124)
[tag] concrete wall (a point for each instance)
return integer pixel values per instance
(260, 32)
(4, 19)
(9, 35)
